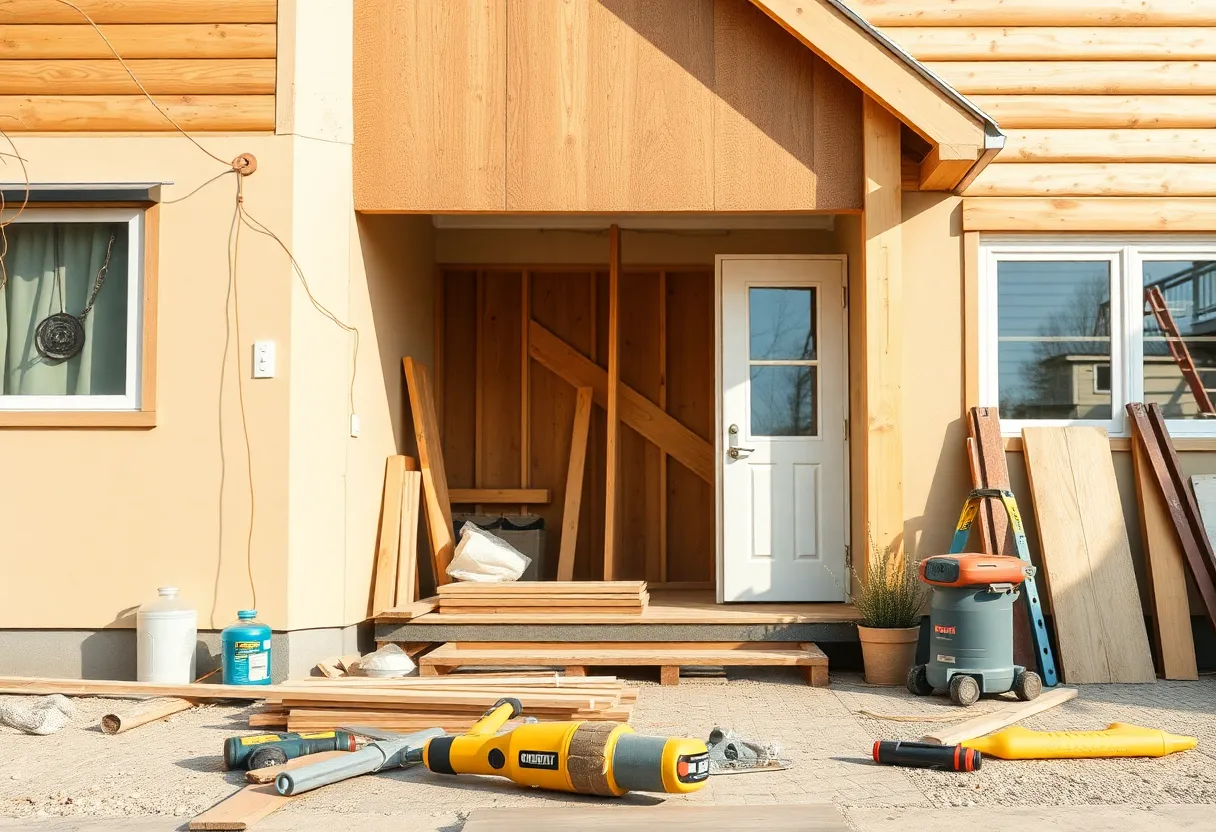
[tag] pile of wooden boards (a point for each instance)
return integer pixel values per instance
(1083, 547)
(395, 580)
(545, 597)
(1176, 540)
(452, 703)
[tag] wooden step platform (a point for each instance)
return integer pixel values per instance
(668, 656)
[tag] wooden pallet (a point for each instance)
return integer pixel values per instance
(668, 656)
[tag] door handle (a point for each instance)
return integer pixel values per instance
(735, 453)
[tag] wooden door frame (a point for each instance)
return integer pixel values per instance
(719, 447)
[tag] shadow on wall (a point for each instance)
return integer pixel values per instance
(789, 71)
(108, 654)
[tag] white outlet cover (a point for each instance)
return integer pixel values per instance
(263, 359)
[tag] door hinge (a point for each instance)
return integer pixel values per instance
(846, 430)
(844, 298)
(848, 558)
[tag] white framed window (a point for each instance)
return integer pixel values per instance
(1074, 328)
(70, 341)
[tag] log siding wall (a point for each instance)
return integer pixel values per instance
(210, 64)
(1099, 98)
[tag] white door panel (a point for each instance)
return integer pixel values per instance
(782, 471)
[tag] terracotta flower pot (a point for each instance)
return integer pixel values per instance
(888, 653)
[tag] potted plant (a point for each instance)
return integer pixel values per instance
(889, 600)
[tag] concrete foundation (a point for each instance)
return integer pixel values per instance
(110, 654)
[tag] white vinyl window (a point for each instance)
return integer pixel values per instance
(70, 309)
(1072, 329)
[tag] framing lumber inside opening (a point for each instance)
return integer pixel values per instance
(664, 492)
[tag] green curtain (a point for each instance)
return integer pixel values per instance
(32, 294)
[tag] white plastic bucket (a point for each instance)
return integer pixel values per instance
(167, 635)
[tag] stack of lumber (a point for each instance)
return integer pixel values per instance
(545, 597)
(452, 703)
(1173, 527)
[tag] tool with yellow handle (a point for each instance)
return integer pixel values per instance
(1119, 740)
(601, 758)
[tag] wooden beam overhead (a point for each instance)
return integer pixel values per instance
(882, 317)
(861, 58)
(939, 174)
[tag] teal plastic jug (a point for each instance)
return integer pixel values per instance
(246, 650)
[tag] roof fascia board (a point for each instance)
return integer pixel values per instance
(886, 73)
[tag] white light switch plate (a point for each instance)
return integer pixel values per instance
(263, 359)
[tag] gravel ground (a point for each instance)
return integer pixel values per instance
(160, 775)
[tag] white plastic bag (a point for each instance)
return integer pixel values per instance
(482, 557)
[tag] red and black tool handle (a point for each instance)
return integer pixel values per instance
(926, 755)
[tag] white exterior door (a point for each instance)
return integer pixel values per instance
(781, 443)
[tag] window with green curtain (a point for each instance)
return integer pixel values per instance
(51, 268)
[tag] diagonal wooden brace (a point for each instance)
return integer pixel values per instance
(637, 411)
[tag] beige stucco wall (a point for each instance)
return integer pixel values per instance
(95, 519)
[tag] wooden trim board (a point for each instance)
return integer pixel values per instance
(1183, 507)
(574, 484)
(384, 587)
(241, 810)
(1002, 717)
(993, 472)
(1166, 573)
(1095, 600)
(430, 459)
(407, 548)
(499, 496)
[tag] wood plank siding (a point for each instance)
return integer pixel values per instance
(1098, 98)
(597, 105)
(209, 64)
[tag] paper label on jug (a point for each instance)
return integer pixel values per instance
(259, 666)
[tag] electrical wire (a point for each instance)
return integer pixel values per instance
(240, 384)
(253, 223)
(218, 176)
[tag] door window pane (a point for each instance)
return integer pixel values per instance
(1180, 336)
(781, 324)
(783, 400)
(1053, 330)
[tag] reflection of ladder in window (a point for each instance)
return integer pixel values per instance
(1178, 348)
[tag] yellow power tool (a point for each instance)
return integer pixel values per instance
(601, 758)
